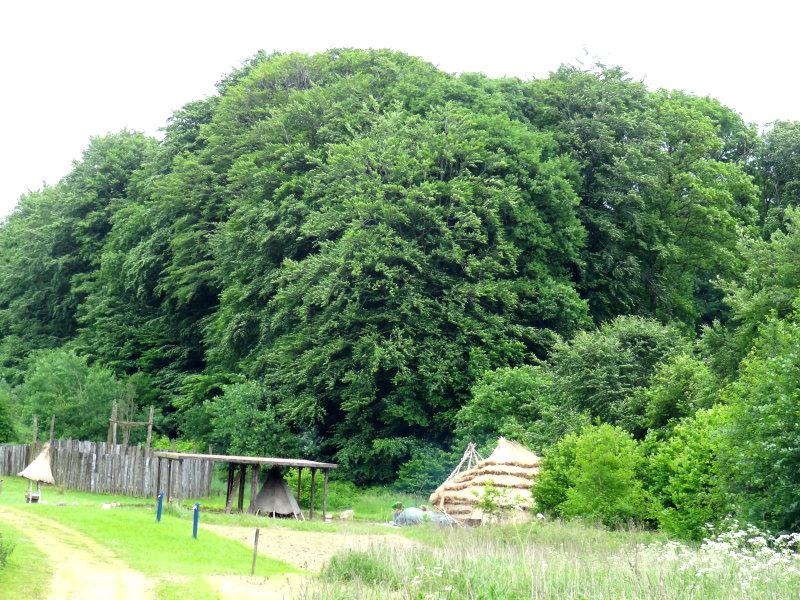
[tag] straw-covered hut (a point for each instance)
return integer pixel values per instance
(39, 470)
(509, 472)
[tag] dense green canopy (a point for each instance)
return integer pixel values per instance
(355, 256)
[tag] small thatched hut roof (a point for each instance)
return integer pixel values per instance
(511, 469)
(39, 469)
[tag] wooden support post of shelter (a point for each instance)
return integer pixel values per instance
(325, 494)
(229, 493)
(299, 475)
(52, 429)
(242, 474)
(311, 497)
(254, 483)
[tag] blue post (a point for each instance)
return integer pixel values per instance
(196, 510)
(160, 506)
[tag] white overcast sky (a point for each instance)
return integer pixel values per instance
(73, 69)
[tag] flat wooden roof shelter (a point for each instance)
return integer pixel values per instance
(242, 462)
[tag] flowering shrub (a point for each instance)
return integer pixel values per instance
(742, 556)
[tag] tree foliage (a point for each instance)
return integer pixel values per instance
(594, 474)
(355, 256)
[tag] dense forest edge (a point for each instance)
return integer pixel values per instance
(357, 257)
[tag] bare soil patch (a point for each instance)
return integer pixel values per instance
(308, 550)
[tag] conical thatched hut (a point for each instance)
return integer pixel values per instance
(510, 471)
(39, 470)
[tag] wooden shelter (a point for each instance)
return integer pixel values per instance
(237, 475)
(511, 470)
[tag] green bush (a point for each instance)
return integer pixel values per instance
(683, 473)
(426, 469)
(245, 423)
(61, 383)
(680, 387)
(520, 403)
(7, 431)
(760, 449)
(594, 475)
(604, 371)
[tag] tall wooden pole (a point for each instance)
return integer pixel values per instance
(34, 438)
(52, 428)
(150, 427)
(112, 425)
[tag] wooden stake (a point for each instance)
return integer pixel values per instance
(255, 553)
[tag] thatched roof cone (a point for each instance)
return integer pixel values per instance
(39, 469)
(511, 469)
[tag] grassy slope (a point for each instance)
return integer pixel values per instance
(27, 573)
(156, 549)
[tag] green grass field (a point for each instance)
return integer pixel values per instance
(27, 573)
(542, 559)
(132, 535)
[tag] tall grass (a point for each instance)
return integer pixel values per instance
(6, 548)
(553, 561)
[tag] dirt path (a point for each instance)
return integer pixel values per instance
(82, 569)
(308, 550)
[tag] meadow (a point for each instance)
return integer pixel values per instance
(555, 560)
(543, 559)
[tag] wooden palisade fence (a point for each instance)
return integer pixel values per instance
(111, 468)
